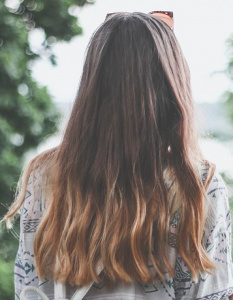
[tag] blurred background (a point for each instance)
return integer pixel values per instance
(42, 48)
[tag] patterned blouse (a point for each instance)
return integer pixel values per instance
(217, 240)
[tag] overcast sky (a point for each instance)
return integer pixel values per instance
(201, 27)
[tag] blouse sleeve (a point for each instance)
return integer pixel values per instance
(217, 240)
(31, 213)
(25, 273)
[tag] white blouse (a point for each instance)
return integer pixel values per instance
(217, 240)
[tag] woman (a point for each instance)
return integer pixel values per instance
(128, 187)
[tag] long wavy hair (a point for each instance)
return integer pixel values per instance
(132, 129)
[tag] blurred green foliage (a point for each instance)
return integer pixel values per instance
(27, 113)
(228, 104)
(228, 95)
(227, 99)
(6, 282)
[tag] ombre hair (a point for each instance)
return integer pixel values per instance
(131, 131)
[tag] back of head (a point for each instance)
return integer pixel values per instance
(139, 85)
(132, 128)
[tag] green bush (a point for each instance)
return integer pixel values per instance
(7, 280)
